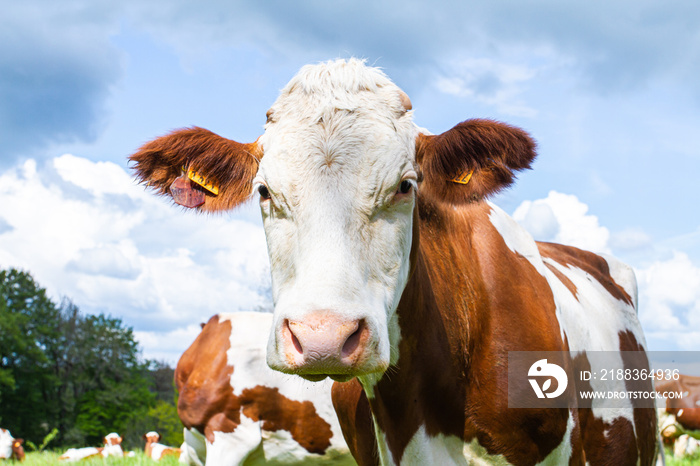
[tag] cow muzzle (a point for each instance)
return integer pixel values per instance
(324, 344)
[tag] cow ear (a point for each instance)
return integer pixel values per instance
(216, 170)
(475, 159)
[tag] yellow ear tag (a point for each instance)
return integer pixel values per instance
(203, 182)
(463, 178)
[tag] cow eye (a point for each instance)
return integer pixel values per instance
(405, 187)
(264, 192)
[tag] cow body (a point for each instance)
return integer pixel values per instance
(243, 412)
(155, 450)
(390, 266)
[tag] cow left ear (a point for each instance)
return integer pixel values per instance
(475, 159)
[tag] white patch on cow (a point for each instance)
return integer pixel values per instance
(516, 237)
(112, 450)
(193, 450)
(234, 448)
(592, 321)
(477, 455)
(337, 147)
(624, 276)
(6, 440)
(280, 448)
(562, 453)
(77, 454)
(157, 450)
(247, 356)
(385, 456)
(441, 449)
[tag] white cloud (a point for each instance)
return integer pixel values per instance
(491, 82)
(670, 290)
(562, 218)
(86, 231)
(630, 239)
(168, 346)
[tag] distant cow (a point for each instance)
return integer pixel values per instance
(112, 447)
(236, 409)
(10, 447)
(155, 450)
(687, 408)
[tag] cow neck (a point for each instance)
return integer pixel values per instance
(426, 387)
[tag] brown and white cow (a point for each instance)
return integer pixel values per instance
(389, 266)
(112, 446)
(685, 409)
(237, 410)
(155, 450)
(10, 447)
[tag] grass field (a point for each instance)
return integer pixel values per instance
(687, 461)
(51, 458)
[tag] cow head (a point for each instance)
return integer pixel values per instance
(18, 449)
(338, 170)
(112, 439)
(151, 437)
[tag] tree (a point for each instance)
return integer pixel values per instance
(27, 328)
(80, 373)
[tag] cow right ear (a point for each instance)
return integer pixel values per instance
(196, 163)
(473, 160)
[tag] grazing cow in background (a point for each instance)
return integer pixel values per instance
(685, 409)
(237, 410)
(10, 447)
(112, 447)
(390, 266)
(682, 414)
(155, 450)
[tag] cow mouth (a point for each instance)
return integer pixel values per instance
(319, 377)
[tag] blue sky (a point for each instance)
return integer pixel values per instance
(609, 90)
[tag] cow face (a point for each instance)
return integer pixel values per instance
(339, 171)
(337, 190)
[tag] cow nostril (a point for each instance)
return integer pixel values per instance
(353, 341)
(295, 340)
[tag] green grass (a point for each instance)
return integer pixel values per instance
(51, 458)
(693, 460)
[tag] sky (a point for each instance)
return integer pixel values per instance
(609, 90)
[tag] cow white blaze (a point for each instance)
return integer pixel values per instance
(337, 186)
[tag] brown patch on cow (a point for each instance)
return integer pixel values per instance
(587, 261)
(645, 421)
(602, 441)
(277, 412)
(207, 402)
(562, 278)
(228, 164)
(493, 150)
(355, 417)
(459, 316)
(686, 409)
(171, 452)
(203, 377)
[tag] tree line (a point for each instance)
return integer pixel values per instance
(78, 373)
